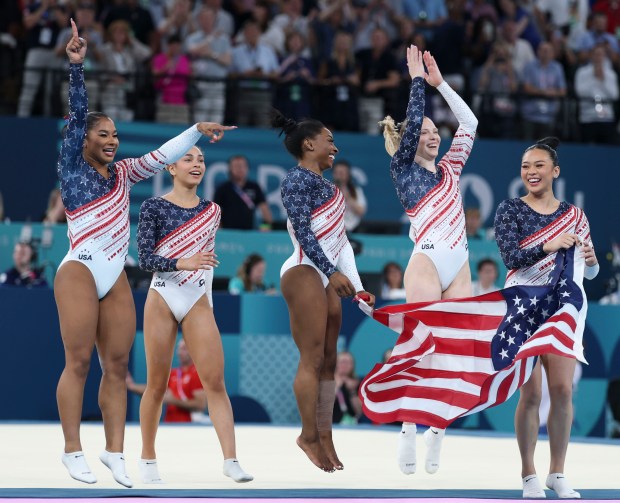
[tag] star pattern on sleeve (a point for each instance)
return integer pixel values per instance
(302, 193)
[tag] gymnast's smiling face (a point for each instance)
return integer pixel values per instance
(323, 149)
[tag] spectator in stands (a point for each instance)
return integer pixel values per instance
(379, 80)
(139, 18)
(354, 197)
(392, 282)
(171, 70)
(347, 405)
(295, 77)
(473, 223)
(224, 22)
(55, 212)
(185, 398)
(123, 54)
(23, 273)
(480, 42)
(90, 30)
(239, 198)
(497, 85)
(597, 85)
(290, 19)
(611, 8)
(481, 8)
(427, 15)
(569, 18)
(255, 64)
(43, 21)
(339, 77)
(335, 17)
(211, 52)
(544, 85)
(597, 35)
(251, 277)
(179, 21)
(526, 25)
(520, 51)
(487, 276)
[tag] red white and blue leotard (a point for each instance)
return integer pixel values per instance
(97, 207)
(166, 233)
(315, 209)
(433, 201)
(521, 234)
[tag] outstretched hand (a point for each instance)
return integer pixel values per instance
(415, 63)
(213, 130)
(433, 77)
(76, 47)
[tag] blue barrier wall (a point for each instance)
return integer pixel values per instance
(261, 358)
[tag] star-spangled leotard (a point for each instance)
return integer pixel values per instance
(166, 233)
(522, 232)
(97, 208)
(433, 201)
(315, 209)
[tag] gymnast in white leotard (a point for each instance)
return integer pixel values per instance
(95, 304)
(176, 240)
(320, 271)
(429, 192)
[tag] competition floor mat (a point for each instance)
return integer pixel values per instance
(475, 466)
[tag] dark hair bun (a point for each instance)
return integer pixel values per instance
(280, 121)
(549, 141)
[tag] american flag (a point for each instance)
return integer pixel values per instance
(457, 357)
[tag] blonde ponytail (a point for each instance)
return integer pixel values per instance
(392, 133)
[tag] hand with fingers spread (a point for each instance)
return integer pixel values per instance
(564, 241)
(415, 63)
(213, 130)
(76, 47)
(341, 285)
(433, 77)
(588, 253)
(202, 260)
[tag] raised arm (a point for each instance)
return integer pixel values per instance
(506, 235)
(297, 200)
(466, 133)
(152, 163)
(71, 148)
(147, 235)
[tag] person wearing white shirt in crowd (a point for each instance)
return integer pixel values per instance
(224, 21)
(211, 53)
(255, 64)
(520, 50)
(487, 276)
(597, 85)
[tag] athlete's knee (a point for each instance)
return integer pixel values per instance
(561, 393)
(78, 365)
(214, 383)
(116, 367)
(313, 361)
(156, 391)
(530, 398)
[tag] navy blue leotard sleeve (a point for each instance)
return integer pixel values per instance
(147, 240)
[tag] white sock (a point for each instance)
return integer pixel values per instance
(233, 469)
(115, 461)
(433, 438)
(407, 449)
(149, 471)
(532, 487)
(78, 467)
(558, 483)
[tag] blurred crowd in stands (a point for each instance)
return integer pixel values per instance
(528, 67)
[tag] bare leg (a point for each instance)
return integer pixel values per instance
(116, 333)
(560, 372)
(205, 346)
(78, 311)
(527, 421)
(334, 321)
(307, 304)
(160, 331)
